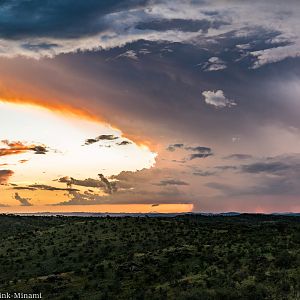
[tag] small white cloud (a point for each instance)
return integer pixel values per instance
(215, 59)
(129, 54)
(235, 139)
(216, 67)
(276, 54)
(214, 64)
(217, 99)
(243, 46)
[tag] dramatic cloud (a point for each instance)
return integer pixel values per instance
(34, 28)
(23, 201)
(36, 19)
(4, 176)
(217, 99)
(128, 197)
(141, 66)
(146, 186)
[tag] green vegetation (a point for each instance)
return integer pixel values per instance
(183, 257)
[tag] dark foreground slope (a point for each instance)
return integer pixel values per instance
(186, 257)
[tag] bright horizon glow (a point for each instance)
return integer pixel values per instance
(64, 137)
(103, 208)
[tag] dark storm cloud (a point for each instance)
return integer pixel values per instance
(180, 24)
(59, 19)
(48, 28)
(39, 46)
(275, 176)
(171, 182)
(275, 186)
(128, 197)
(137, 187)
(165, 81)
(5, 175)
(156, 94)
(266, 167)
(23, 201)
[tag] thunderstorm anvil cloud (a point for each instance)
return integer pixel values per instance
(192, 103)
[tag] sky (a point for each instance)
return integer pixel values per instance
(149, 106)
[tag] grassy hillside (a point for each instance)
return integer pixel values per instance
(185, 257)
